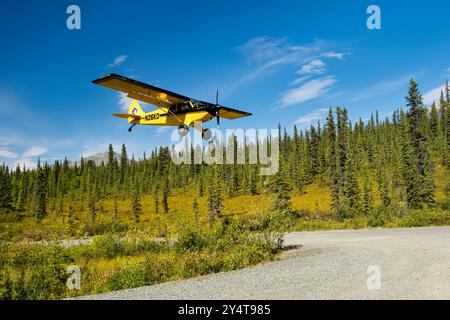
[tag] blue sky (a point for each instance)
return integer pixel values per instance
(284, 61)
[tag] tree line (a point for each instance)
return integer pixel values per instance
(391, 159)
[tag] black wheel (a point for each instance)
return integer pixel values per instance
(207, 134)
(183, 130)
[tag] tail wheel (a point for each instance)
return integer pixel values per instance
(183, 130)
(207, 134)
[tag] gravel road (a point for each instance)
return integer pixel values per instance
(413, 264)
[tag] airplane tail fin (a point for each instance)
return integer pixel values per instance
(135, 109)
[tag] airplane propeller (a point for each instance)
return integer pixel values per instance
(217, 108)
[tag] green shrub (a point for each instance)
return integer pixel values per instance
(154, 269)
(423, 218)
(343, 213)
(107, 246)
(378, 217)
(191, 240)
(40, 273)
(445, 204)
(127, 277)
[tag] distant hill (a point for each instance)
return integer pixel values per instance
(99, 157)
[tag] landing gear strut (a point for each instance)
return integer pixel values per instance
(131, 128)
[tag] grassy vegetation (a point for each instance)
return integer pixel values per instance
(125, 254)
(311, 209)
(109, 263)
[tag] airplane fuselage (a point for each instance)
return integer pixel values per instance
(164, 118)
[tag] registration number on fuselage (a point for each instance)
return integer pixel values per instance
(153, 116)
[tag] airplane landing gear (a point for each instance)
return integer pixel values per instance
(131, 128)
(206, 134)
(183, 130)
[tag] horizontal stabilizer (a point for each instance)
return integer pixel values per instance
(126, 115)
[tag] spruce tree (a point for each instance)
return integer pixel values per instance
(351, 189)
(383, 188)
(334, 175)
(136, 207)
(210, 200)
(253, 180)
(280, 190)
(218, 197)
(115, 208)
(410, 177)
(165, 197)
(156, 200)
(92, 205)
(367, 205)
(419, 143)
(123, 163)
(195, 210)
(434, 123)
(5, 188)
(39, 195)
(445, 116)
(111, 165)
(70, 222)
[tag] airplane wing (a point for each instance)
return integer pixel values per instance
(141, 91)
(228, 113)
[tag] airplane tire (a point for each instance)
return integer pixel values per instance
(207, 134)
(183, 130)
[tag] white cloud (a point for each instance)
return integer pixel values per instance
(163, 129)
(433, 95)
(118, 61)
(124, 101)
(5, 153)
(316, 66)
(24, 162)
(335, 55)
(308, 91)
(34, 152)
(313, 116)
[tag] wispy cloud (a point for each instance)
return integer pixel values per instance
(308, 91)
(267, 54)
(34, 152)
(301, 79)
(313, 116)
(5, 153)
(381, 89)
(433, 95)
(118, 61)
(335, 55)
(316, 66)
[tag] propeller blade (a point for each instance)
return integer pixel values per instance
(217, 105)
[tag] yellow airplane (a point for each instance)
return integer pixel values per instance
(174, 109)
